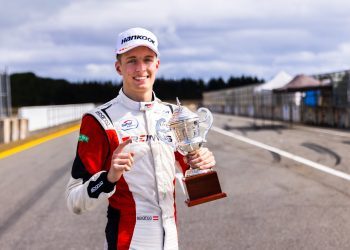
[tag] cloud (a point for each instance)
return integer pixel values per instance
(202, 39)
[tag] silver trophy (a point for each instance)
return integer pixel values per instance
(188, 131)
(185, 128)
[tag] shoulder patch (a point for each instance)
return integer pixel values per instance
(83, 138)
(103, 117)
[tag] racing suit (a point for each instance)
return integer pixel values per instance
(141, 212)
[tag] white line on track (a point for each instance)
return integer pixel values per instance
(284, 153)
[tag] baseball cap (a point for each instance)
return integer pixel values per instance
(135, 37)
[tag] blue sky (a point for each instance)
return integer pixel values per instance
(199, 39)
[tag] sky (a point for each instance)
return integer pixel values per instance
(199, 39)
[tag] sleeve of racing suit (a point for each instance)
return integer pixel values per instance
(181, 164)
(88, 184)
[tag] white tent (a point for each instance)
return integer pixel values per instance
(281, 79)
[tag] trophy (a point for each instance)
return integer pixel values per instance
(201, 185)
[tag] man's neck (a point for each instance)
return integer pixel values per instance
(139, 97)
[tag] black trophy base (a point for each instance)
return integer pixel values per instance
(202, 188)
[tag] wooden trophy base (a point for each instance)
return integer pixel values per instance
(202, 188)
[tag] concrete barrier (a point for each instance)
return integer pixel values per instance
(5, 130)
(13, 129)
(41, 117)
(23, 128)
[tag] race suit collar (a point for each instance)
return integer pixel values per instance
(143, 106)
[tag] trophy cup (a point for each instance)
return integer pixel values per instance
(201, 185)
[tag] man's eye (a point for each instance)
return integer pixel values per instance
(131, 61)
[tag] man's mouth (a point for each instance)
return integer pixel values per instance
(140, 78)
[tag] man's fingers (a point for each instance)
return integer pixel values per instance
(198, 153)
(204, 163)
(209, 165)
(123, 155)
(203, 156)
(121, 162)
(122, 146)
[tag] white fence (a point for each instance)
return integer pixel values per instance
(40, 117)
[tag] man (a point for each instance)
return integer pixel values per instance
(138, 183)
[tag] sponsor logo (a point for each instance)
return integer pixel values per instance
(166, 114)
(168, 138)
(129, 124)
(145, 138)
(83, 138)
(141, 138)
(97, 186)
(103, 118)
(148, 106)
(148, 217)
(137, 37)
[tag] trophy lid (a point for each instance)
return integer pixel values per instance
(182, 113)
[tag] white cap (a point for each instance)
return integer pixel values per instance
(135, 37)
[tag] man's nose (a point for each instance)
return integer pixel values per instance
(141, 66)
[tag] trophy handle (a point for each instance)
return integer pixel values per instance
(208, 120)
(162, 130)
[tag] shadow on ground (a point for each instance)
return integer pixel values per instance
(254, 127)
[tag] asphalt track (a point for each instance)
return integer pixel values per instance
(273, 202)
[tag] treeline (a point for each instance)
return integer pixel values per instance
(27, 89)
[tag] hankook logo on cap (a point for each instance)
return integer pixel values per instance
(137, 37)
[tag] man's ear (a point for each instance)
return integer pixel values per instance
(117, 67)
(158, 63)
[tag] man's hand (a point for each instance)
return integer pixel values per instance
(120, 163)
(201, 158)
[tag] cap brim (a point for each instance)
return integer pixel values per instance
(124, 50)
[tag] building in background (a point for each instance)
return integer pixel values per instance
(322, 100)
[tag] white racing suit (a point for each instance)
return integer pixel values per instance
(141, 212)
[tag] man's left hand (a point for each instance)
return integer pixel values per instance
(202, 158)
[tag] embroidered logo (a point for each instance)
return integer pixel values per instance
(148, 217)
(138, 37)
(83, 138)
(141, 138)
(131, 123)
(103, 118)
(97, 186)
(145, 138)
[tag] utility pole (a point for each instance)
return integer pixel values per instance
(5, 95)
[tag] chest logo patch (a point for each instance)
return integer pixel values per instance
(128, 124)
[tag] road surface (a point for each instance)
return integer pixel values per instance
(273, 202)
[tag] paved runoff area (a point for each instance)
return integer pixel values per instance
(287, 188)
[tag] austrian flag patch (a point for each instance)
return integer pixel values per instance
(148, 217)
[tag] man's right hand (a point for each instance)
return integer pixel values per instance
(121, 162)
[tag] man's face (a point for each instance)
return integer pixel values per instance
(138, 67)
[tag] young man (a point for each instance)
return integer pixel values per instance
(138, 183)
